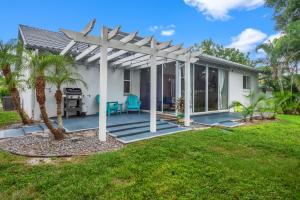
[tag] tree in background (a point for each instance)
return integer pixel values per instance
(209, 47)
(283, 55)
(286, 12)
(11, 54)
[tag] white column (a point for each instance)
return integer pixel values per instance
(178, 82)
(187, 93)
(153, 82)
(206, 88)
(103, 85)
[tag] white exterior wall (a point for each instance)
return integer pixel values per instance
(91, 77)
(235, 86)
(26, 96)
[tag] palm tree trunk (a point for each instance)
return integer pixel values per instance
(41, 98)
(16, 98)
(58, 97)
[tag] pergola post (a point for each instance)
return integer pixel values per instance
(177, 83)
(187, 88)
(103, 85)
(153, 83)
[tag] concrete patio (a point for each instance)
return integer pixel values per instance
(226, 119)
(129, 127)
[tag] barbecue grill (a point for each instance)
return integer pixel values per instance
(72, 101)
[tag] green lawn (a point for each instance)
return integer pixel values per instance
(8, 117)
(251, 162)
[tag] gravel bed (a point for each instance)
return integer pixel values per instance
(39, 146)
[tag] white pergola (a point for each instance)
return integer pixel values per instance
(120, 50)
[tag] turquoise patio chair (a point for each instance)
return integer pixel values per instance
(133, 103)
(111, 107)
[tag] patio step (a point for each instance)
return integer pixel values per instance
(148, 135)
(129, 123)
(142, 130)
(132, 126)
(229, 124)
(32, 129)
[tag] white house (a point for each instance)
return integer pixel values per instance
(116, 64)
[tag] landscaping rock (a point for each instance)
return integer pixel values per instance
(39, 146)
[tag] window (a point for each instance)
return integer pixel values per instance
(246, 82)
(127, 78)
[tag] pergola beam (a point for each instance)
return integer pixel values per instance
(164, 45)
(85, 52)
(136, 58)
(147, 64)
(79, 37)
(113, 33)
(87, 29)
(125, 40)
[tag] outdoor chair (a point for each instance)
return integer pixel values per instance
(133, 103)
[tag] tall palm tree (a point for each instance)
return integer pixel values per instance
(38, 64)
(274, 60)
(11, 54)
(62, 73)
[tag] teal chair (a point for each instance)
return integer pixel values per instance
(111, 107)
(133, 103)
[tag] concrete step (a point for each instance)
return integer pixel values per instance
(130, 123)
(148, 135)
(229, 124)
(32, 129)
(132, 126)
(141, 130)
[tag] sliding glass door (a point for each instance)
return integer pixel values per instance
(223, 89)
(199, 88)
(145, 89)
(210, 87)
(169, 90)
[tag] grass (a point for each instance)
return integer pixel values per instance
(8, 117)
(251, 162)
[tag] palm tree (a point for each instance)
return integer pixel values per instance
(274, 61)
(38, 64)
(62, 73)
(12, 78)
(248, 110)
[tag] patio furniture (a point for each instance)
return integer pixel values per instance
(111, 107)
(133, 103)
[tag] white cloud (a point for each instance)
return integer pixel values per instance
(219, 9)
(168, 30)
(247, 40)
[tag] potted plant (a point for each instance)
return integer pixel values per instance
(180, 110)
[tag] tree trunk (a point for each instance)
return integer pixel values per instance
(16, 97)
(58, 97)
(16, 100)
(41, 98)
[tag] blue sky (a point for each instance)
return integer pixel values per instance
(235, 23)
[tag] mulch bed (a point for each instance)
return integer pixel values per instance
(39, 146)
